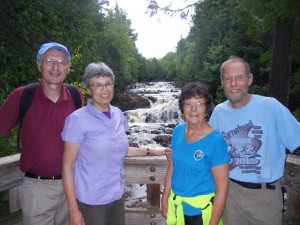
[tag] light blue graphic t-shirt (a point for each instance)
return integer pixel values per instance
(257, 136)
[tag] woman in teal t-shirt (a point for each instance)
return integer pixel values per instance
(196, 181)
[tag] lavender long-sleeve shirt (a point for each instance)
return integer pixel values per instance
(99, 167)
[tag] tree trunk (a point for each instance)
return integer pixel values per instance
(281, 60)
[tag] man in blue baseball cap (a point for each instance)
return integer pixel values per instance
(53, 45)
(43, 198)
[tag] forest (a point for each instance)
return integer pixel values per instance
(265, 33)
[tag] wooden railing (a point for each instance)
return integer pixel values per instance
(291, 214)
(150, 171)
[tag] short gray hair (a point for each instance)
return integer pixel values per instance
(235, 59)
(96, 69)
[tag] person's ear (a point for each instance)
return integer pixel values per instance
(250, 79)
(69, 68)
(39, 66)
(89, 91)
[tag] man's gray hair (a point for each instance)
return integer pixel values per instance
(235, 59)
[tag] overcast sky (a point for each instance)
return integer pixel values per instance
(157, 35)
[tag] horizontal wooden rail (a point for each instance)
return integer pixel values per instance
(10, 175)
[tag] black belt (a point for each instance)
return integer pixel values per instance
(270, 186)
(31, 175)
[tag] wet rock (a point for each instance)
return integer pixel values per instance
(152, 99)
(164, 140)
(172, 126)
(156, 131)
(151, 118)
(168, 131)
(129, 101)
(132, 144)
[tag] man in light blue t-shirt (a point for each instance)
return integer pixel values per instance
(257, 130)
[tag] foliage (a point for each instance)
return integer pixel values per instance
(82, 88)
(8, 144)
(183, 11)
(120, 51)
(168, 64)
(4, 203)
(185, 62)
(297, 114)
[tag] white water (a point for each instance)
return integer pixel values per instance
(163, 114)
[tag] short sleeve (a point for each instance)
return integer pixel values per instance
(73, 131)
(220, 154)
(9, 111)
(287, 127)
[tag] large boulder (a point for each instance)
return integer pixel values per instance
(129, 101)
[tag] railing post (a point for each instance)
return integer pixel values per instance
(153, 196)
(14, 199)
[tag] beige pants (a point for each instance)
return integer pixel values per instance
(253, 206)
(43, 202)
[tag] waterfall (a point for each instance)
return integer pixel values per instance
(153, 127)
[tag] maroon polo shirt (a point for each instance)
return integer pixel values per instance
(42, 146)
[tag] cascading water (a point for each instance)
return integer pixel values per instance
(151, 127)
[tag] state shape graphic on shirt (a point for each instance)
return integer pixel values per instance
(243, 148)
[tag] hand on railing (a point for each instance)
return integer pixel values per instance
(168, 152)
(156, 151)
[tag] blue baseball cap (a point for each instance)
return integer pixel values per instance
(53, 45)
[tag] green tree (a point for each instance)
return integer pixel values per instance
(154, 70)
(282, 20)
(185, 61)
(120, 50)
(25, 25)
(168, 64)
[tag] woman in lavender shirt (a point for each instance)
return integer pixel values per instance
(96, 145)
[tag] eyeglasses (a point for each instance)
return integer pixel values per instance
(99, 86)
(197, 105)
(60, 62)
(228, 79)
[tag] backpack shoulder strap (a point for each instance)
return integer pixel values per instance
(75, 95)
(25, 102)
